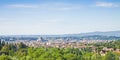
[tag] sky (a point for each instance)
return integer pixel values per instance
(36, 17)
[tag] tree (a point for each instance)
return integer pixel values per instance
(5, 48)
(21, 45)
(70, 56)
(110, 56)
(0, 45)
(5, 57)
(3, 43)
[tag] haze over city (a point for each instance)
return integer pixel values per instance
(58, 16)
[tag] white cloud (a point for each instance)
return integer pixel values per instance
(22, 6)
(48, 6)
(61, 6)
(106, 4)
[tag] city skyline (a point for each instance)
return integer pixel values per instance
(58, 16)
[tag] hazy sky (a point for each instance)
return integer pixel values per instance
(58, 16)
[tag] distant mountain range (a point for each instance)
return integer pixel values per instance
(110, 35)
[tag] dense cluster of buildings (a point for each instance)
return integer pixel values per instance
(59, 43)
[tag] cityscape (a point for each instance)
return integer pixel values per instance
(59, 29)
(94, 44)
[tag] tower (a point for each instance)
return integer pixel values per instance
(40, 39)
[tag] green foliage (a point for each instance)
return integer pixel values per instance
(3, 43)
(5, 57)
(110, 56)
(112, 44)
(21, 45)
(22, 52)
